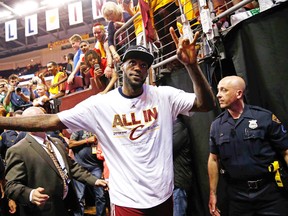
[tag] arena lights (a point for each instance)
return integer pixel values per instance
(26, 7)
(55, 2)
(5, 13)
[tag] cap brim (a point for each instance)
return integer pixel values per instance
(135, 54)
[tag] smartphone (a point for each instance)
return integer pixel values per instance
(96, 66)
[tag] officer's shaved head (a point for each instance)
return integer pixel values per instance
(231, 92)
(236, 82)
(32, 111)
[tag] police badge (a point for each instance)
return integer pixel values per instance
(253, 124)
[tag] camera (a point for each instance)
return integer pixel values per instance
(18, 89)
(34, 82)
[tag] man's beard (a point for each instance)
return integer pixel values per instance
(134, 85)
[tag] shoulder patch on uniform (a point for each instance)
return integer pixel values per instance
(259, 108)
(0, 138)
(275, 119)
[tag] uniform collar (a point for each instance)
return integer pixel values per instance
(246, 114)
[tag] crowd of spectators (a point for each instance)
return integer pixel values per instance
(45, 85)
(92, 64)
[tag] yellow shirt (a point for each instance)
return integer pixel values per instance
(187, 8)
(99, 46)
(55, 79)
(156, 4)
(138, 22)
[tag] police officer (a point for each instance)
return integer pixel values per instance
(245, 140)
(10, 137)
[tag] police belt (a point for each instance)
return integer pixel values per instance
(252, 184)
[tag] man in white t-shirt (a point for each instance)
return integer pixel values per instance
(134, 125)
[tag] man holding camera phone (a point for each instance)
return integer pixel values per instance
(18, 96)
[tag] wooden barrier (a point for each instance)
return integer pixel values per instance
(70, 100)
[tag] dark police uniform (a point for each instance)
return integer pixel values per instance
(246, 147)
(9, 138)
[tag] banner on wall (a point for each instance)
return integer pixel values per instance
(96, 8)
(31, 25)
(11, 30)
(52, 19)
(75, 13)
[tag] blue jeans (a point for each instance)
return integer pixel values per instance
(98, 193)
(179, 202)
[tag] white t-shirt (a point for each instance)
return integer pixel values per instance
(136, 138)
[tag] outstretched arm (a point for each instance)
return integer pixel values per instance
(74, 72)
(110, 67)
(115, 55)
(187, 55)
(47, 122)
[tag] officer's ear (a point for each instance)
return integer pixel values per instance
(239, 94)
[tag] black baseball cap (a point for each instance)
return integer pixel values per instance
(138, 52)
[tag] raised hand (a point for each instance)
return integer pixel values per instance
(186, 51)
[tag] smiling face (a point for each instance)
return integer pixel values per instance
(40, 90)
(75, 45)
(52, 68)
(84, 46)
(99, 33)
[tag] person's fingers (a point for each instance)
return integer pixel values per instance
(40, 200)
(102, 183)
(40, 189)
(196, 36)
(216, 212)
(174, 36)
(70, 79)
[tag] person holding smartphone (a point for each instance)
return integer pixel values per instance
(93, 61)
